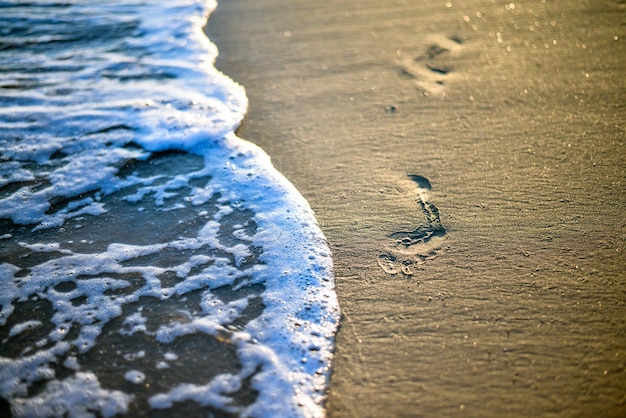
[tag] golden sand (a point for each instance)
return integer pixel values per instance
(514, 113)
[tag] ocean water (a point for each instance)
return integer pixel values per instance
(151, 262)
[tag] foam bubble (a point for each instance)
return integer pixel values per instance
(135, 376)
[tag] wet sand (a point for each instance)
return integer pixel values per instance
(514, 113)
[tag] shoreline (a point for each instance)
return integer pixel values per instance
(520, 309)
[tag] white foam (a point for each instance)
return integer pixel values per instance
(135, 376)
(77, 396)
(206, 395)
(24, 326)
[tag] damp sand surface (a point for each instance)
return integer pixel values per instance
(514, 114)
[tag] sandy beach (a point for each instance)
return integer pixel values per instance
(510, 116)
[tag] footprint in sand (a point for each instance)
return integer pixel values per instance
(410, 249)
(433, 68)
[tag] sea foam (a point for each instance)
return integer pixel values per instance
(151, 259)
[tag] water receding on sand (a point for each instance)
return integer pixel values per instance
(152, 263)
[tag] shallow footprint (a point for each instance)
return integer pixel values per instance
(431, 69)
(410, 249)
(387, 262)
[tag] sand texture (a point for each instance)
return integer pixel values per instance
(466, 161)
